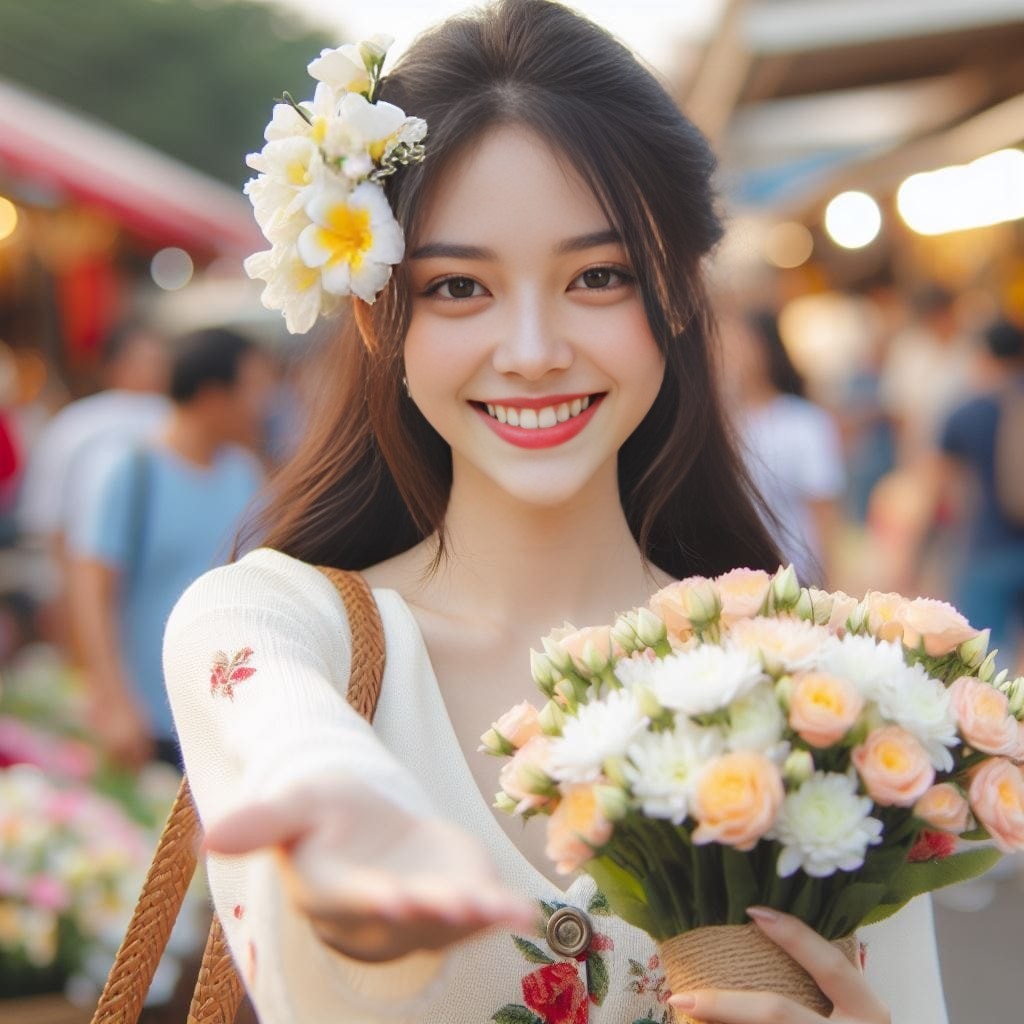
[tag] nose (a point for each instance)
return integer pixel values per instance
(530, 343)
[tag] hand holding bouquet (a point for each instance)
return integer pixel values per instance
(746, 742)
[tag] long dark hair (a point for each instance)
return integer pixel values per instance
(373, 478)
(784, 376)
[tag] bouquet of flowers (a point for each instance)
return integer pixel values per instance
(745, 741)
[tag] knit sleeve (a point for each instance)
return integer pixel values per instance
(256, 660)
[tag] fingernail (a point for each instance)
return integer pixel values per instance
(762, 915)
(683, 1001)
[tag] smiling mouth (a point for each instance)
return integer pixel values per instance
(538, 419)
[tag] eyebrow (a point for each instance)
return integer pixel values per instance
(455, 251)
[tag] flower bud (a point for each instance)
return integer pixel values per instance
(988, 667)
(1000, 679)
(804, 607)
(613, 802)
(858, 617)
(492, 742)
(823, 605)
(798, 767)
(649, 628)
(972, 652)
(503, 802)
(647, 702)
(701, 603)
(565, 694)
(543, 671)
(784, 691)
(1014, 690)
(557, 655)
(786, 589)
(552, 719)
(624, 632)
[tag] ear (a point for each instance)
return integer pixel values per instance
(362, 313)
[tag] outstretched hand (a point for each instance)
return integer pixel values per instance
(376, 882)
(844, 984)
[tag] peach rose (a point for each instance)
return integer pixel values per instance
(895, 767)
(884, 619)
(943, 807)
(526, 778)
(823, 708)
(743, 592)
(935, 625)
(783, 645)
(983, 715)
(737, 799)
(687, 605)
(997, 798)
(514, 729)
(842, 607)
(590, 648)
(576, 829)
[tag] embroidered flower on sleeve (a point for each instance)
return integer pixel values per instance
(227, 672)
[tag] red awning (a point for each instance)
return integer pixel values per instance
(152, 195)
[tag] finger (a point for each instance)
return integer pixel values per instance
(727, 1006)
(255, 826)
(840, 980)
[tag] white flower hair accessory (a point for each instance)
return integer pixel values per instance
(317, 194)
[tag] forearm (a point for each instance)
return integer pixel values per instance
(93, 592)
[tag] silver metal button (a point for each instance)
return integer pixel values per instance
(569, 931)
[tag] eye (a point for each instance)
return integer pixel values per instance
(457, 288)
(601, 279)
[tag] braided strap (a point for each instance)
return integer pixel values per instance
(163, 893)
(219, 991)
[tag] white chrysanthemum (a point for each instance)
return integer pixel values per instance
(782, 645)
(291, 287)
(599, 731)
(289, 169)
(904, 694)
(824, 827)
(354, 240)
(663, 768)
(703, 680)
(757, 722)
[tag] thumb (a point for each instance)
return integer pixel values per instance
(258, 825)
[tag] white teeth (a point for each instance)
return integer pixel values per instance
(538, 419)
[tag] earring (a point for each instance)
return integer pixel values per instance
(405, 384)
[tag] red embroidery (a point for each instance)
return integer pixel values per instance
(557, 993)
(931, 845)
(239, 911)
(227, 672)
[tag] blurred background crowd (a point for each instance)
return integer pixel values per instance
(871, 300)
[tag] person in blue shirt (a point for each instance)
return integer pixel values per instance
(154, 517)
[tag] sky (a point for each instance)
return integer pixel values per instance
(652, 28)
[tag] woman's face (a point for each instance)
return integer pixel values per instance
(528, 349)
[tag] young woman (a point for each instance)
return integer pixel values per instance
(554, 238)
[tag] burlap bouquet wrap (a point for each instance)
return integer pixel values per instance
(741, 956)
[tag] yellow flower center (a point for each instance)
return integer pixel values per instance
(376, 149)
(892, 757)
(298, 173)
(303, 277)
(319, 130)
(347, 236)
(1008, 797)
(580, 808)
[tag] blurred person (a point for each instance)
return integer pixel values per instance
(134, 371)
(974, 442)
(926, 373)
(791, 446)
(154, 519)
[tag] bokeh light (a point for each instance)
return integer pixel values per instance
(853, 220)
(171, 269)
(8, 218)
(788, 245)
(990, 190)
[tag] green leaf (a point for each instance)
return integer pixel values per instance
(915, 879)
(599, 904)
(624, 893)
(548, 909)
(532, 953)
(597, 978)
(636, 968)
(512, 1014)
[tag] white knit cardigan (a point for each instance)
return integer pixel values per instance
(256, 657)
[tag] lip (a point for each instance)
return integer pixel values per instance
(541, 437)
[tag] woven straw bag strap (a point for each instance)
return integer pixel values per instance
(219, 989)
